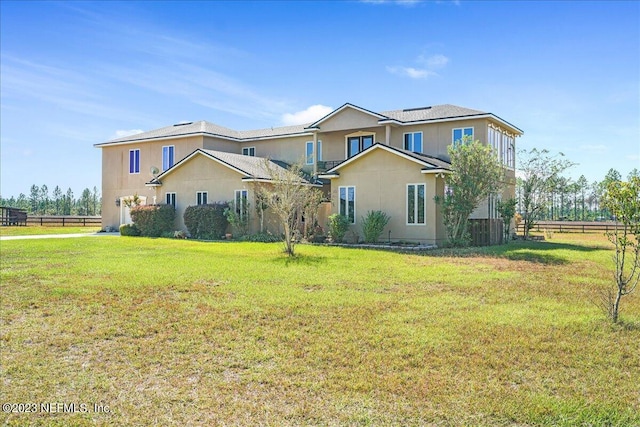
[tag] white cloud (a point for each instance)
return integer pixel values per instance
(411, 72)
(426, 69)
(309, 115)
(633, 157)
(123, 133)
(434, 61)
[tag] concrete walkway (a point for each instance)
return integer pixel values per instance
(56, 236)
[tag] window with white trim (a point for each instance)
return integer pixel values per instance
(503, 144)
(356, 144)
(347, 204)
(201, 197)
(249, 151)
(134, 161)
(240, 203)
(416, 204)
(459, 134)
(413, 142)
(310, 154)
(170, 199)
(167, 156)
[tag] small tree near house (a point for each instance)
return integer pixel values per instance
(507, 211)
(287, 196)
(622, 199)
(476, 173)
(540, 171)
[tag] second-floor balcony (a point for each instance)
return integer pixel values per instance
(325, 165)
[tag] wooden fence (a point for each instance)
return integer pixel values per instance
(486, 232)
(571, 226)
(64, 221)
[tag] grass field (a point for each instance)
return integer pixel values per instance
(170, 332)
(38, 229)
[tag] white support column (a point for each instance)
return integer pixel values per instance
(387, 138)
(315, 154)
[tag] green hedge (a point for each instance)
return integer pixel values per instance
(129, 230)
(206, 222)
(153, 220)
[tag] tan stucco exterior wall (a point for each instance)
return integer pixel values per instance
(117, 182)
(381, 180)
(200, 173)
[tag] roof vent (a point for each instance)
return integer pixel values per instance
(183, 123)
(416, 109)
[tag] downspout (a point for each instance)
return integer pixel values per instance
(387, 138)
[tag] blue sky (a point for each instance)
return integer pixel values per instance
(74, 74)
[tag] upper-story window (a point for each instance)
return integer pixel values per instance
(309, 152)
(167, 156)
(134, 161)
(459, 133)
(249, 151)
(503, 144)
(413, 142)
(356, 144)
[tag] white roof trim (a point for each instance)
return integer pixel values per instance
(203, 134)
(344, 107)
(436, 171)
(192, 155)
(328, 175)
(517, 131)
(376, 146)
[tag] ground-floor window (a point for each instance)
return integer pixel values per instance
(170, 199)
(241, 203)
(348, 203)
(201, 197)
(416, 204)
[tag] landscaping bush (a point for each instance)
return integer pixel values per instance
(207, 222)
(153, 220)
(373, 224)
(338, 225)
(129, 230)
(261, 237)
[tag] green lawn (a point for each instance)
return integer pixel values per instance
(38, 229)
(173, 332)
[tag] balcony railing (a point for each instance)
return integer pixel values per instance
(325, 165)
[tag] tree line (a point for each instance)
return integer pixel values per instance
(561, 198)
(41, 202)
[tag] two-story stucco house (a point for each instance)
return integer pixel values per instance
(394, 161)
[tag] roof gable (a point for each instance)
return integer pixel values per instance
(428, 163)
(356, 117)
(249, 167)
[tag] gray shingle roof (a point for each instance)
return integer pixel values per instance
(436, 112)
(431, 113)
(204, 127)
(253, 167)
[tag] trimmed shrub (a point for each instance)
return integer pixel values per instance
(338, 225)
(153, 220)
(206, 222)
(373, 224)
(261, 237)
(129, 230)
